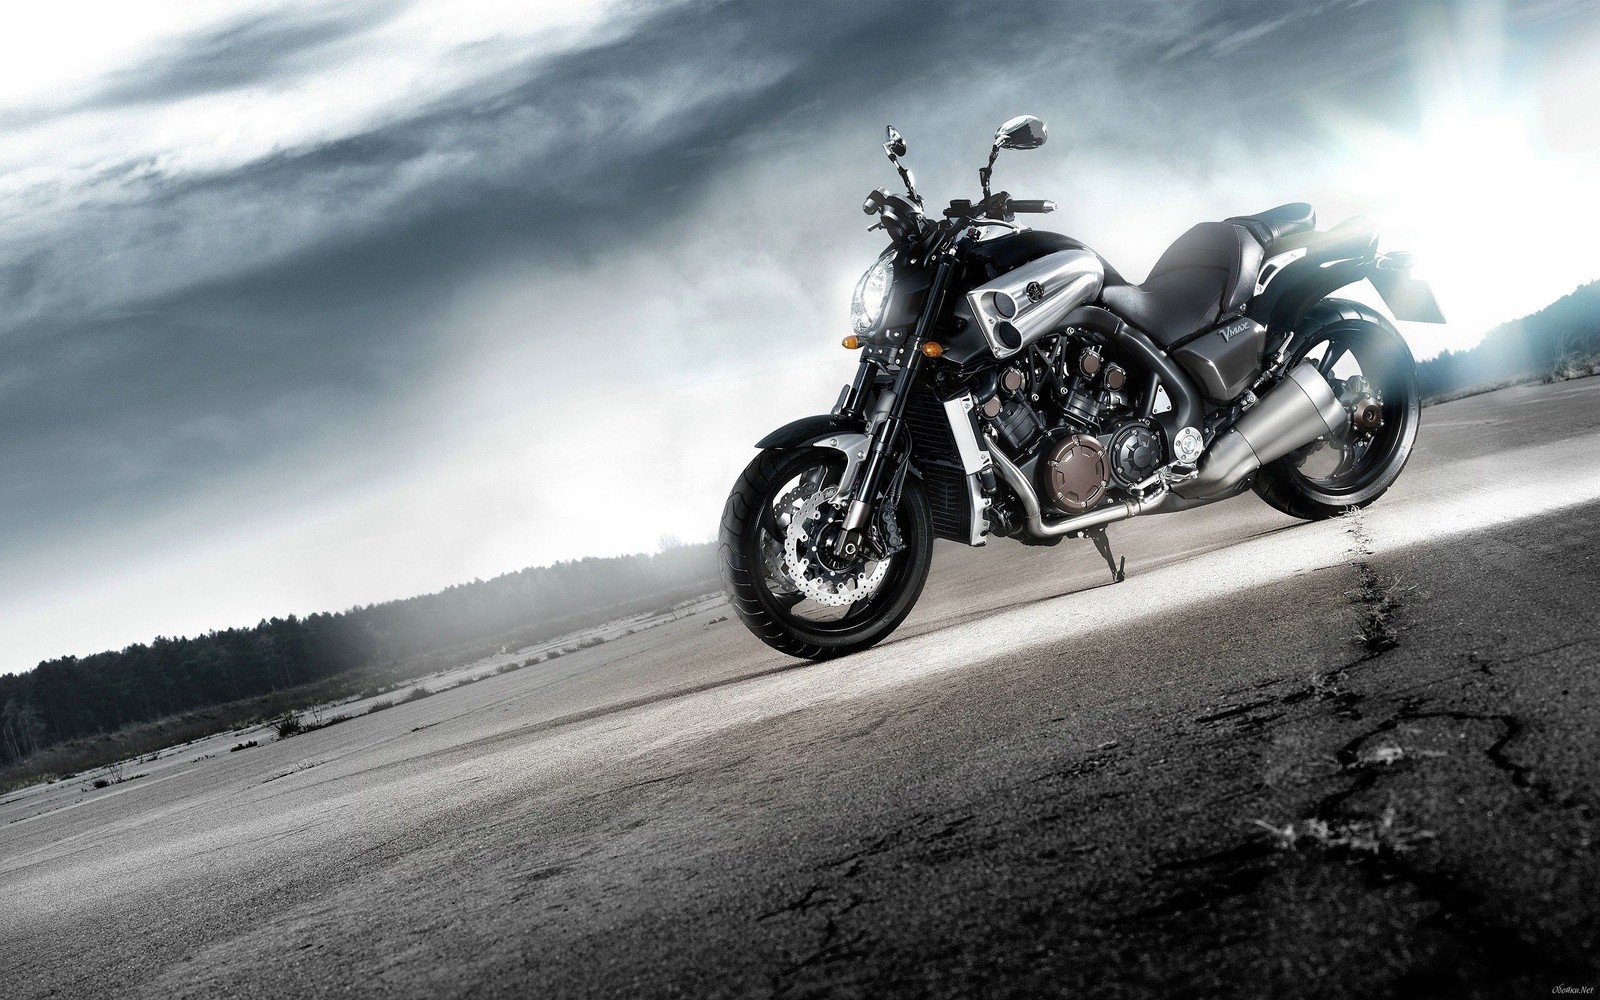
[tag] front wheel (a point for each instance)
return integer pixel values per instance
(1370, 368)
(778, 564)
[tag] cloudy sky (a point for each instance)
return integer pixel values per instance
(304, 305)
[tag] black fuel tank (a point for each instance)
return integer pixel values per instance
(1224, 362)
(990, 259)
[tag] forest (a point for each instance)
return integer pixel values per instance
(1562, 340)
(73, 697)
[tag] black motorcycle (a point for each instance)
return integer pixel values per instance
(1013, 383)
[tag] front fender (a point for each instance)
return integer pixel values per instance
(807, 430)
(828, 430)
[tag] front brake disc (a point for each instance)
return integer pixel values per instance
(816, 579)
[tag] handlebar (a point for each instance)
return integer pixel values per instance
(999, 205)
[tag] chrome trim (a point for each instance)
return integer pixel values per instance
(974, 460)
(1067, 279)
(974, 457)
(1039, 528)
(1274, 266)
(854, 449)
(979, 525)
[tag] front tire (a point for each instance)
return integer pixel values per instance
(754, 520)
(1326, 478)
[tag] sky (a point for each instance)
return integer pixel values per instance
(310, 305)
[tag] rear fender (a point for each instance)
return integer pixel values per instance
(1319, 264)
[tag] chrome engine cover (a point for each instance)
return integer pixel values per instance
(1020, 306)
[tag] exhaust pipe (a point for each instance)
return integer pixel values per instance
(1295, 413)
(1038, 528)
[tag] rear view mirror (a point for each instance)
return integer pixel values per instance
(1021, 132)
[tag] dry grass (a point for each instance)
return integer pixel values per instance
(1379, 599)
(1569, 368)
(1356, 838)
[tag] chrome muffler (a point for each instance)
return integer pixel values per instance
(1295, 413)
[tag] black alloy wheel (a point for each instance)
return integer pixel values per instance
(1370, 368)
(835, 606)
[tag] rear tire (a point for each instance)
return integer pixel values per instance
(747, 576)
(1369, 338)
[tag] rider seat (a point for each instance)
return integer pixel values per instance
(1277, 223)
(1209, 273)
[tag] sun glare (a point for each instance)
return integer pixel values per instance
(1501, 219)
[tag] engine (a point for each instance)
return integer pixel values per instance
(1072, 420)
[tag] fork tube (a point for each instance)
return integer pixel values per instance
(886, 431)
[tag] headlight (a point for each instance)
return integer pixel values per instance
(872, 294)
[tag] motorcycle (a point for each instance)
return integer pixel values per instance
(1012, 383)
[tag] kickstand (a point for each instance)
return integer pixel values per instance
(1102, 545)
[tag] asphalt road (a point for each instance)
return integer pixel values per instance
(1349, 758)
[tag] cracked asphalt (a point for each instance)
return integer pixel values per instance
(1351, 758)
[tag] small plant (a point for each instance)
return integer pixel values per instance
(101, 783)
(380, 705)
(554, 653)
(289, 725)
(416, 694)
(591, 642)
(1330, 685)
(237, 748)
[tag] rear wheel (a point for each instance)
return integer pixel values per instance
(1370, 368)
(778, 564)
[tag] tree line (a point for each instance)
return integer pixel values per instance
(73, 697)
(1555, 341)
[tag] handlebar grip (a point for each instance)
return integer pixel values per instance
(1035, 207)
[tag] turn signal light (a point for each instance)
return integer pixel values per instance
(933, 349)
(851, 342)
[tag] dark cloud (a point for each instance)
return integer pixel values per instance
(255, 51)
(564, 157)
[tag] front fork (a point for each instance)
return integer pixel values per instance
(886, 421)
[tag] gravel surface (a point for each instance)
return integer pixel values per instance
(1350, 758)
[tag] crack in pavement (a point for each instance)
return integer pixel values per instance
(1507, 951)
